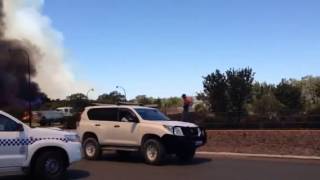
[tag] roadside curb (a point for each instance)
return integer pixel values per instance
(258, 155)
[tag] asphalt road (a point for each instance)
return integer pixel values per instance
(112, 167)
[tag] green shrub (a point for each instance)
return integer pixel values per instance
(201, 108)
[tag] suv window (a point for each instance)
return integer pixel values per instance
(126, 115)
(152, 114)
(103, 114)
(7, 124)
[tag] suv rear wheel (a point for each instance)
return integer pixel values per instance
(91, 148)
(50, 166)
(153, 151)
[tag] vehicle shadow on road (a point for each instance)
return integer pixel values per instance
(71, 174)
(114, 157)
(13, 178)
(136, 158)
(195, 161)
(77, 174)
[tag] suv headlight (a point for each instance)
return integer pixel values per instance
(72, 138)
(177, 131)
(169, 128)
(200, 131)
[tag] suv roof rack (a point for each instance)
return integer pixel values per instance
(137, 104)
(129, 104)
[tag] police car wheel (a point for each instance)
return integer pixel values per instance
(50, 166)
(91, 148)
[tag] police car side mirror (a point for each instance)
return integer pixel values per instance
(20, 128)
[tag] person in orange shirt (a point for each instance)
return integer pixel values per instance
(187, 103)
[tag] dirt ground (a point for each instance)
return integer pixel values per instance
(283, 142)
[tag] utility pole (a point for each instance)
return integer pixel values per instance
(124, 91)
(89, 92)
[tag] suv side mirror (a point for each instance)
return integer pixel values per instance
(20, 127)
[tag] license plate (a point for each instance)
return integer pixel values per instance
(198, 143)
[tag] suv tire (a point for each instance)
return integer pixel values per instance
(153, 151)
(186, 155)
(50, 166)
(91, 148)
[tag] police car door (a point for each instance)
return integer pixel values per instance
(12, 149)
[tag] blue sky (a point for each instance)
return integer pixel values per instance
(164, 47)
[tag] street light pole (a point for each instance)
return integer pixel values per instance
(124, 91)
(29, 81)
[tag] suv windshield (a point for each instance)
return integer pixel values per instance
(152, 114)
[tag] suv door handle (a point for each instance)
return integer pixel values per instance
(97, 125)
(116, 126)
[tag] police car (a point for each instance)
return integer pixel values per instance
(42, 153)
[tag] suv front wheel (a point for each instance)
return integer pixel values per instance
(91, 148)
(153, 151)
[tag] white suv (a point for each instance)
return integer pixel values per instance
(42, 153)
(137, 128)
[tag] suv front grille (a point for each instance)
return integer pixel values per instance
(190, 132)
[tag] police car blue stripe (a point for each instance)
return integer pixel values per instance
(25, 142)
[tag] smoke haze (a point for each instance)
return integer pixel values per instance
(25, 30)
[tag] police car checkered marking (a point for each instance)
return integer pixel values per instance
(26, 142)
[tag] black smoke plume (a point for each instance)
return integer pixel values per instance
(15, 90)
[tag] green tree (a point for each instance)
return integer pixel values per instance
(261, 89)
(201, 108)
(215, 91)
(172, 102)
(158, 102)
(309, 95)
(77, 96)
(318, 90)
(267, 105)
(111, 98)
(239, 89)
(289, 95)
(143, 99)
(78, 101)
(264, 102)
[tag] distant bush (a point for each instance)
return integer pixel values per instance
(201, 108)
(267, 106)
(315, 110)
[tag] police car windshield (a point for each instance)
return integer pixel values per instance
(152, 114)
